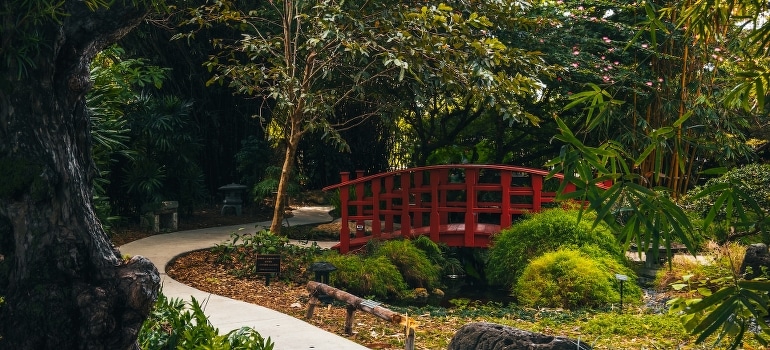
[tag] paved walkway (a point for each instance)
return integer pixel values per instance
(227, 314)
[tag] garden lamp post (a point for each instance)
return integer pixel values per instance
(621, 278)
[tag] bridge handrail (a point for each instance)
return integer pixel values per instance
(512, 168)
(386, 202)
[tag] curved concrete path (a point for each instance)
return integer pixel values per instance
(287, 332)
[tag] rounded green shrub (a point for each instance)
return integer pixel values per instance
(569, 278)
(366, 276)
(413, 263)
(547, 231)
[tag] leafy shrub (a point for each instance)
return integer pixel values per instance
(239, 254)
(366, 276)
(569, 278)
(751, 180)
(544, 232)
(252, 159)
(176, 325)
(265, 189)
(413, 263)
(165, 143)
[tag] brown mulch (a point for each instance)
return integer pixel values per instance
(199, 270)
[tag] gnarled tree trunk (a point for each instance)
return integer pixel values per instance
(65, 285)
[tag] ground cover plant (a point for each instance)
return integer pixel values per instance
(178, 325)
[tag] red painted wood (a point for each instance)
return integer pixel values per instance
(344, 198)
(382, 198)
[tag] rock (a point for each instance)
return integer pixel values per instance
(491, 336)
(757, 257)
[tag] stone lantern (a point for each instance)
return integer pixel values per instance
(233, 198)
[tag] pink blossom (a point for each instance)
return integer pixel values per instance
(644, 46)
(575, 64)
(649, 83)
(576, 52)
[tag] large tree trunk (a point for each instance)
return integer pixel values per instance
(65, 285)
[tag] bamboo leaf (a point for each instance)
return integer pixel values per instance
(711, 300)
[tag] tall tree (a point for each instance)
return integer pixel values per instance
(721, 67)
(461, 73)
(65, 285)
(302, 59)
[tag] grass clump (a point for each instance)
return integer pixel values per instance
(366, 276)
(413, 263)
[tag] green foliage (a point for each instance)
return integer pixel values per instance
(631, 326)
(543, 232)
(267, 187)
(176, 325)
(239, 254)
(568, 278)
(366, 276)
(748, 193)
(729, 309)
(117, 82)
(416, 268)
(166, 146)
(252, 159)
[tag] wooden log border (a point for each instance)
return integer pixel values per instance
(356, 303)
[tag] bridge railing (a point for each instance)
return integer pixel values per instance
(461, 205)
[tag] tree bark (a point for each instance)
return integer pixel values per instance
(65, 285)
(283, 184)
(357, 302)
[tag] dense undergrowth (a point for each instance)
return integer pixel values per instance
(568, 286)
(178, 325)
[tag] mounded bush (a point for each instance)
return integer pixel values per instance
(569, 278)
(413, 263)
(547, 231)
(366, 276)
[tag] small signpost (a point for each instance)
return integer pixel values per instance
(268, 264)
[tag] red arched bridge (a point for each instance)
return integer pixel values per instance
(460, 205)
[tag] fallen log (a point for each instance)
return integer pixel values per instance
(356, 303)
